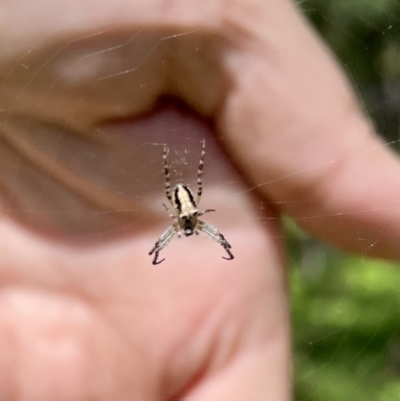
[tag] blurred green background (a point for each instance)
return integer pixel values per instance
(346, 309)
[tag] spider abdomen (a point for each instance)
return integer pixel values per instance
(183, 200)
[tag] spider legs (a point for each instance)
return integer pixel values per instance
(166, 173)
(169, 211)
(200, 173)
(227, 247)
(206, 211)
(214, 234)
(155, 261)
(165, 238)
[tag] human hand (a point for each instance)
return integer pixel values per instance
(85, 315)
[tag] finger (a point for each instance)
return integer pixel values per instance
(300, 136)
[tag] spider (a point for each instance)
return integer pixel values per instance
(187, 222)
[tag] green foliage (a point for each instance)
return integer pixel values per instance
(346, 328)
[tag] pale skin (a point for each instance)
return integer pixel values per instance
(103, 323)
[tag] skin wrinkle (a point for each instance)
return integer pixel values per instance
(105, 201)
(224, 340)
(182, 374)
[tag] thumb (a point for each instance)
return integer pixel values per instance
(297, 132)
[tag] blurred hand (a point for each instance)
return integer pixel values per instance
(95, 320)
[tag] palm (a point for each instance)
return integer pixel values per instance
(118, 327)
